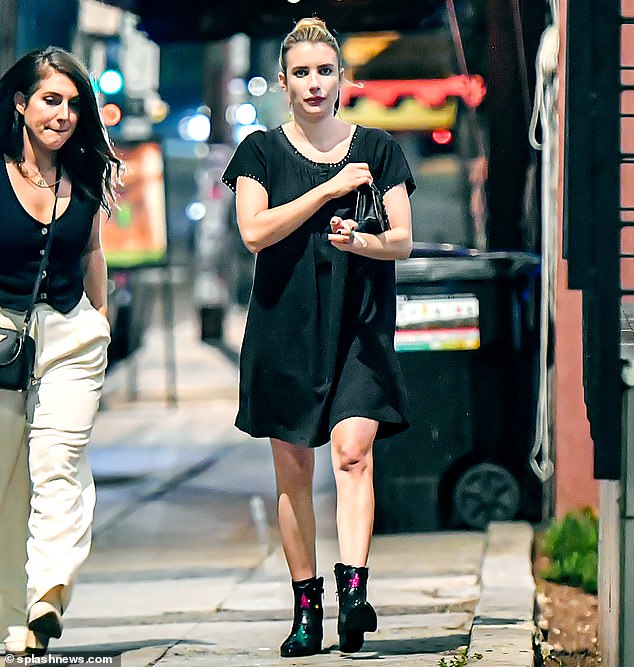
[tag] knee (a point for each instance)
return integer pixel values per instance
(293, 469)
(353, 456)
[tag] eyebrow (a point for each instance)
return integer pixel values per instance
(56, 92)
(308, 66)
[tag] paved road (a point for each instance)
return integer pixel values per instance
(186, 567)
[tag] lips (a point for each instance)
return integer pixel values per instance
(315, 100)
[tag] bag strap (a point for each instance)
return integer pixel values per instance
(47, 250)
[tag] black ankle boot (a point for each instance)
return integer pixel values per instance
(308, 616)
(356, 614)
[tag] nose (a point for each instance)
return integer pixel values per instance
(64, 111)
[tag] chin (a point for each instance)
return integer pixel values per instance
(318, 112)
(56, 145)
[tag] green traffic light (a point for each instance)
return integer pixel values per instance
(111, 82)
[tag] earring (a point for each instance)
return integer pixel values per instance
(16, 128)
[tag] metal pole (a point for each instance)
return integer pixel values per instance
(170, 345)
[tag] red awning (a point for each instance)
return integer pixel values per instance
(428, 92)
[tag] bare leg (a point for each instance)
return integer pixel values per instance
(294, 468)
(54, 597)
(352, 464)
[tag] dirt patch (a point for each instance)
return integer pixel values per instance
(567, 619)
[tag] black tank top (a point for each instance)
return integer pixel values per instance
(22, 243)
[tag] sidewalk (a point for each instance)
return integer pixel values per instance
(186, 567)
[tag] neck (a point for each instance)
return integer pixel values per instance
(40, 160)
(319, 132)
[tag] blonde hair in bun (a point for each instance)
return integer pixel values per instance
(311, 29)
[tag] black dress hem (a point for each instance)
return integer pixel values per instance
(389, 425)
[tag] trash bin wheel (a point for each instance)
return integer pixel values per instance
(486, 492)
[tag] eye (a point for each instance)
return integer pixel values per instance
(326, 70)
(75, 104)
(51, 100)
(300, 72)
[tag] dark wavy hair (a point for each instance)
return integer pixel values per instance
(87, 157)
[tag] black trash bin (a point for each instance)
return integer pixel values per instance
(468, 343)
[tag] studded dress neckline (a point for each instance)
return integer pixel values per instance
(294, 150)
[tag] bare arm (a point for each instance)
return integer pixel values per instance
(396, 243)
(94, 269)
(261, 226)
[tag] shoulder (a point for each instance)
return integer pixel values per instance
(9, 166)
(252, 139)
(256, 143)
(250, 149)
(373, 136)
(84, 205)
(249, 159)
(375, 145)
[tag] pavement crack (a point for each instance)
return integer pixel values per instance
(165, 652)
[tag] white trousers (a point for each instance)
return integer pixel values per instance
(43, 438)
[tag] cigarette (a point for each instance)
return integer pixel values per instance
(361, 240)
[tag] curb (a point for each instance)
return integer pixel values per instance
(503, 626)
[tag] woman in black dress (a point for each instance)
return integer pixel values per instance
(318, 361)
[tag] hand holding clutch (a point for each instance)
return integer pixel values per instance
(370, 213)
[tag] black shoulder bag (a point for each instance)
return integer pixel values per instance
(17, 348)
(370, 213)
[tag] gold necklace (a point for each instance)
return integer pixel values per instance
(41, 181)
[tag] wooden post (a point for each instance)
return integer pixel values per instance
(623, 591)
(609, 571)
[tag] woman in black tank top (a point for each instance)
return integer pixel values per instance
(52, 141)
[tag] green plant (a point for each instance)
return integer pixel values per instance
(459, 659)
(571, 544)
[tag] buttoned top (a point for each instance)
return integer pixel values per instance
(23, 240)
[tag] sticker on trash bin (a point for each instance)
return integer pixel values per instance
(438, 322)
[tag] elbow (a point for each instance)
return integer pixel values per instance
(252, 247)
(252, 243)
(405, 249)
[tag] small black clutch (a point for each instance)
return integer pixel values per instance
(17, 359)
(370, 212)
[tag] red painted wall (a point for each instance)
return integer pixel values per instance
(575, 485)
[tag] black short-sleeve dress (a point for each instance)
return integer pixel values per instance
(319, 339)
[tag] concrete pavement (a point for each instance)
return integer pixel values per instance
(186, 566)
